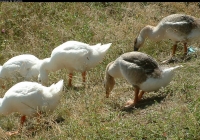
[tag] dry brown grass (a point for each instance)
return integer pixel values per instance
(37, 28)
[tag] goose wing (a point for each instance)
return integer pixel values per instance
(136, 67)
(133, 73)
(179, 23)
(143, 61)
(72, 59)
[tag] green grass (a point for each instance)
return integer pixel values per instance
(37, 28)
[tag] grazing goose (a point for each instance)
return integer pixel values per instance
(177, 27)
(25, 66)
(74, 56)
(30, 99)
(141, 71)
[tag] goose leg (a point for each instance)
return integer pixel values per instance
(70, 80)
(23, 118)
(140, 95)
(83, 76)
(185, 49)
(38, 116)
(107, 94)
(132, 103)
(174, 49)
(185, 52)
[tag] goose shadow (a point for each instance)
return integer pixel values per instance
(180, 59)
(76, 87)
(144, 103)
(32, 130)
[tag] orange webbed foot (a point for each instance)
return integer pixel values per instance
(129, 103)
(12, 133)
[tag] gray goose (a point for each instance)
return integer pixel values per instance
(177, 27)
(141, 71)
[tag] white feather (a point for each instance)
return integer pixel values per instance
(28, 98)
(25, 66)
(73, 56)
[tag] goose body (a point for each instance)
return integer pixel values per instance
(73, 56)
(24, 66)
(177, 27)
(30, 99)
(141, 71)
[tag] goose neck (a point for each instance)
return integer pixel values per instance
(45, 64)
(150, 32)
(1, 108)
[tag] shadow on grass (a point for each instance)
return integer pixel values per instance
(76, 88)
(180, 59)
(33, 130)
(144, 103)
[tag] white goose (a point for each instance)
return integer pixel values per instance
(177, 27)
(141, 71)
(74, 56)
(30, 99)
(25, 66)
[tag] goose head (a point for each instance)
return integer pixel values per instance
(136, 46)
(109, 81)
(138, 42)
(43, 78)
(146, 32)
(43, 71)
